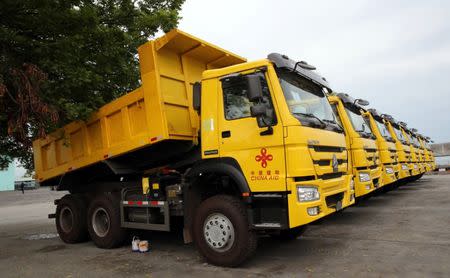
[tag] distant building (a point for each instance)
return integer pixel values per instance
(28, 182)
(7, 176)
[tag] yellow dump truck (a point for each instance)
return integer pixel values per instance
(419, 150)
(426, 154)
(364, 162)
(402, 145)
(386, 148)
(234, 148)
(414, 163)
(424, 141)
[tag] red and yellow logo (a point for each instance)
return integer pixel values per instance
(264, 157)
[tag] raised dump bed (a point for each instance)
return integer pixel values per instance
(157, 118)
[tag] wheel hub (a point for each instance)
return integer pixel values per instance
(101, 222)
(66, 219)
(218, 232)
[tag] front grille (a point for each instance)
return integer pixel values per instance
(327, 149)
(330, 176)
(304, 178)
(334, 199)
(375, 182)
(327, 162)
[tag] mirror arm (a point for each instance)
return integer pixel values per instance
(268, 131)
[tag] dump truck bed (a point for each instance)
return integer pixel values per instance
(158, 111)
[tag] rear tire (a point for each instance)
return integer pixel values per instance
(104, 222)
(222, 233)
(71, 222)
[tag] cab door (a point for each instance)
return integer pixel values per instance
(258, 150)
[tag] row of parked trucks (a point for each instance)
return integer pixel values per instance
(234, 149)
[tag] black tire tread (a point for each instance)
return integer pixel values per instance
(117, 234)
(247, 247)
(78, 207)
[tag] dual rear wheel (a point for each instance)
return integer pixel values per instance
(76, 222)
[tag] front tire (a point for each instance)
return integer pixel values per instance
(104, 222)
(222, 233)
(71, 222)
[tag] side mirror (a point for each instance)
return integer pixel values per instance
(258, 110)
(362, 102)
(254, 92)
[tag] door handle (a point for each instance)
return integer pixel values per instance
(226, 134)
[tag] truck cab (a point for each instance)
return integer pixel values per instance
(430, 153)
(426, 154)
(419, 150)
(402, 145)
(364, 159)
(386, 147)
(283, 137)
(414, 163)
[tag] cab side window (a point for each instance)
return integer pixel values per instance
(236, 102)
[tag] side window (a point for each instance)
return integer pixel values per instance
(236, 103)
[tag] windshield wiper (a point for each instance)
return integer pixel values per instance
(310, 115)
(364, 134)
(339, 127)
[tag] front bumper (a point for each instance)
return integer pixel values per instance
(363, 188)
(330, 191)
(389, 178)
(423, 167)
(414, 169)
(404, 172)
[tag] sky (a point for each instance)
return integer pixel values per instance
(395, 54)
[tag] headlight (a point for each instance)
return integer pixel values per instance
(404, 167)
(363, 177)
(307, 194)
(389, 170)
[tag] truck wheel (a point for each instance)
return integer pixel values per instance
(104, 222)
(221, 231)
(71, 221)
(291, 234)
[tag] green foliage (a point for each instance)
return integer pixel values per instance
(62, 60)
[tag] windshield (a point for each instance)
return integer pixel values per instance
(415, 141)
(383, 130)
(306, 100)
(399, 135)
(408, 137)
(360, 123)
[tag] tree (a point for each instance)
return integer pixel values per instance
(60, 60)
